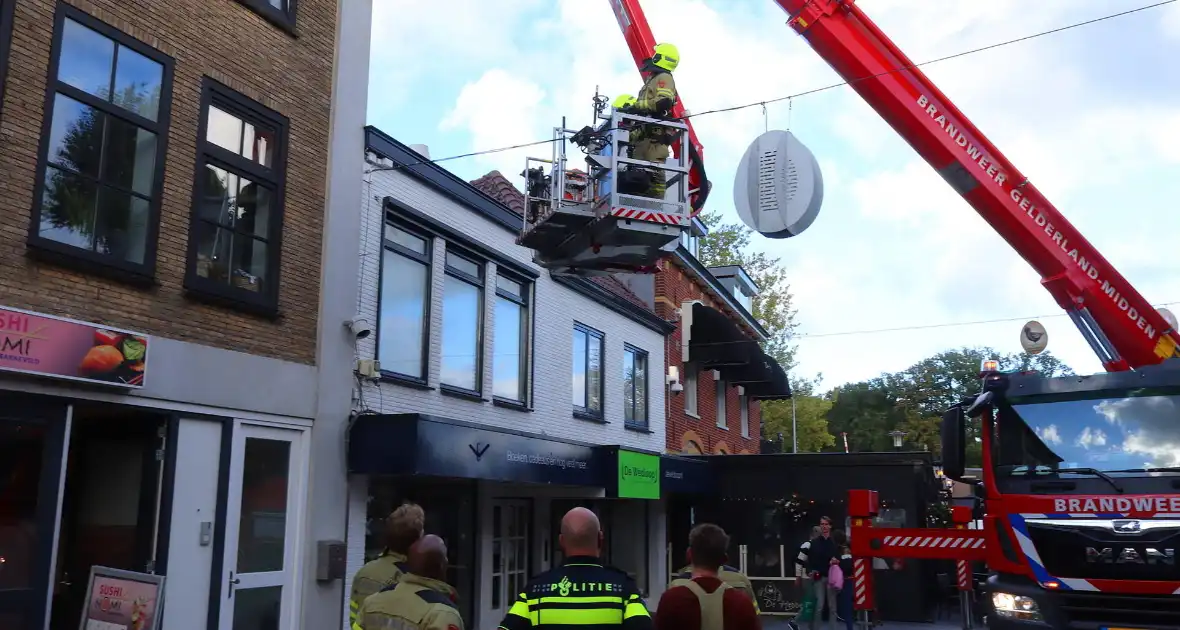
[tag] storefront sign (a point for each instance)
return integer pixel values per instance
(639, 475)
(31, 343)
(681, 475)
(122, 600)
(417, 444)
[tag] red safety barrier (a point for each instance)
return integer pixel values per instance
(963, 545)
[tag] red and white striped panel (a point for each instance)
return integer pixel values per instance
(932, 542)
(648, 215)
(861, 576)
(964, 575)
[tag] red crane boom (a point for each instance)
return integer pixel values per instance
(1120, 325)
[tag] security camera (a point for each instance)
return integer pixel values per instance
(676, 388)
(359, 326)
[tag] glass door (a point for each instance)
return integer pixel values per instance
(510, 552)
(30, 482)
(267, 480)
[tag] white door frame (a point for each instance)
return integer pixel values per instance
(291, 576)
(521, 565)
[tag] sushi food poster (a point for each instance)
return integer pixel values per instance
(33, 343)
(122, 603)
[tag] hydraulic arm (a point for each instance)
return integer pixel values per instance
(1121, 326)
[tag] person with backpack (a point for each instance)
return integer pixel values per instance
(705, 601)
(840, 578)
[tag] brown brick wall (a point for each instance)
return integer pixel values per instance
(222, 39)
(673, 287)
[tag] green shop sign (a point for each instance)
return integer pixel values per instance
(639, 475)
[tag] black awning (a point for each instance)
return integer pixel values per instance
(418, 444)
(715, 341)
(775, 385)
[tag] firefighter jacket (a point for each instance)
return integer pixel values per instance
(414, 603)
(582, 592)
(375, 577)
(656, 98)
(729, 575)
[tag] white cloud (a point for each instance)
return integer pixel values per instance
(1091, 437)
(1049, 434)
(894, 246)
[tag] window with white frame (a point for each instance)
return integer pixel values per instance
(587, 371)
(634, 387)
(510, 340)
(691, 374)
(744, 407)
(721, 421)
(404, 305)
(462, 323)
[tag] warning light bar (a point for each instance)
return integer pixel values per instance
(990, 365)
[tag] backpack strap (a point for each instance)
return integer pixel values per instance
(712, 605)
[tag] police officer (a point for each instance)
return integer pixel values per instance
(655, 100)
(421, 599)
(402, 529)
(582, 592)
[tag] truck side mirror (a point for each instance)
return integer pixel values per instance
(954, 442)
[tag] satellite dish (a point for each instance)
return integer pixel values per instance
(1034, 338)
(778, 189)
(1169, 317)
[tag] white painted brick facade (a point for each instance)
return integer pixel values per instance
(555, 308)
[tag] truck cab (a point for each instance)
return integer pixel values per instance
(1081, 486)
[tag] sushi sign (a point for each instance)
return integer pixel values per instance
(43, 345)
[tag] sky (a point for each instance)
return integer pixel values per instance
(1090, 115)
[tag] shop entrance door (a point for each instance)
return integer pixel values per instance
(510, 552)
(32, 439)
(260, 581)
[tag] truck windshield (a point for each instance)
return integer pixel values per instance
(1126, 434)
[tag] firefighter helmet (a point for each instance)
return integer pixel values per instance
(666, 56)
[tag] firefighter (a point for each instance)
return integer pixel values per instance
(581, 592)
(421, 599)
(402, 529)
(730, 575)
(655, 100)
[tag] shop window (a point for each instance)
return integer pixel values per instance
(404, 304)
(691, 376)
(102, 148)
(630, 546)
(462, 324)
(512, 343)
(720, 395)
(634, 387)
(237, 216)
(587, 372)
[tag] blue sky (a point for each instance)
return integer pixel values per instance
(1091, 116)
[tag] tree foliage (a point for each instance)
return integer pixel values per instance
(914, 399)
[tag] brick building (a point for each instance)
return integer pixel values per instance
(164, 189)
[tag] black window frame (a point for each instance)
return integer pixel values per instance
(583, 411)
(388, 246)
(283, 19)
(227, 99)
(142, 274)
(480, 333)
(6, 13)
(525, 301)
(638, 353)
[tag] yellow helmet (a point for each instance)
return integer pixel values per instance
(623, 100)
(666, 56)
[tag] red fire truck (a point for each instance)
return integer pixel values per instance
(1081, 475)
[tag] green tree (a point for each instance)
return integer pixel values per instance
(810, 415)
(729, 244)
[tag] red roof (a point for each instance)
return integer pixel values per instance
(496, 186)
